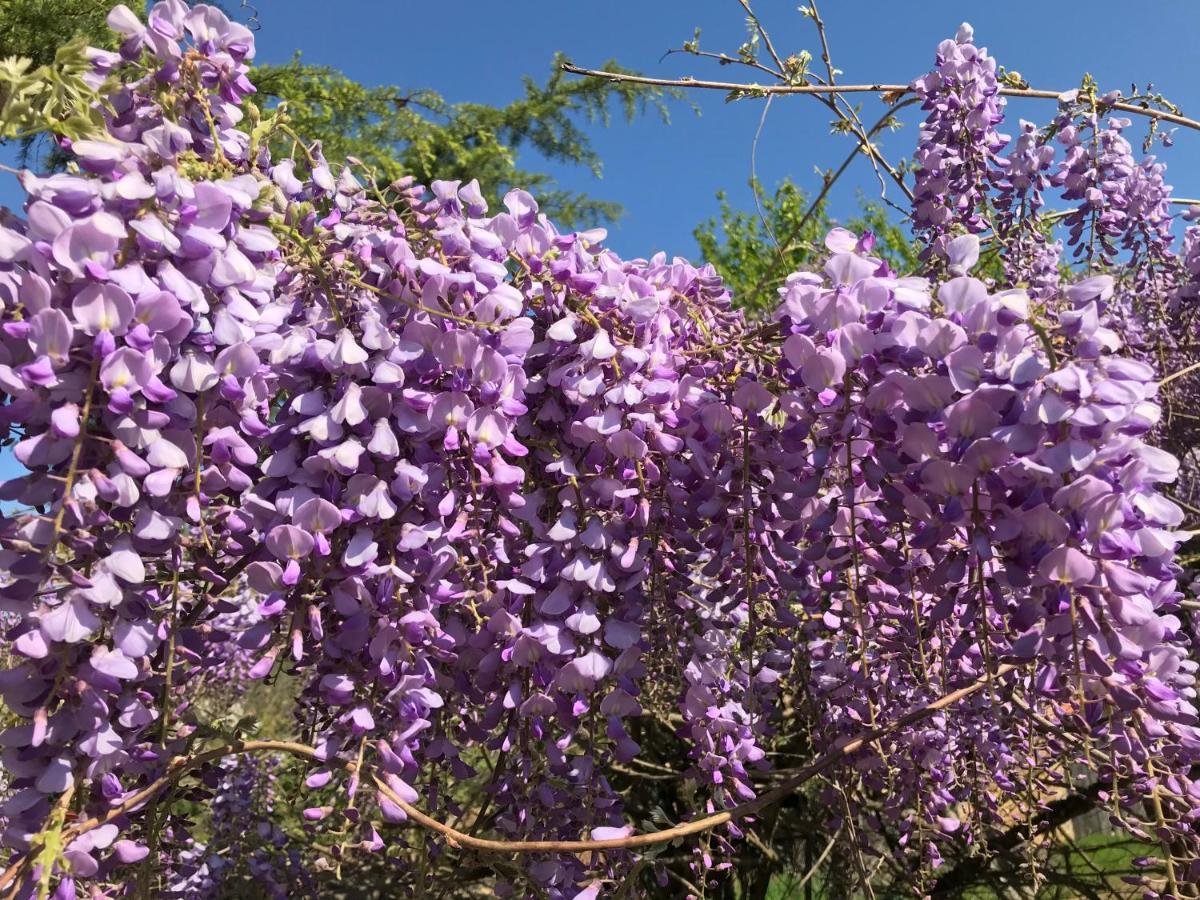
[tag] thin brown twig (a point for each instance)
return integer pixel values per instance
(763, 32)
(183, 764)
(76, 452)
(826, 56)
(850, 114)
(812, 870)
(421, 307)
(1185, 371)
(826, 187)
(754, 185)
(825, 762)
(894, 91)
(829, 182)
(723, 59)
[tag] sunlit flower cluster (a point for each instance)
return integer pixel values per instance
(486, 490)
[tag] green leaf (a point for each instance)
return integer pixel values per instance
(743, 249)
(396, 131)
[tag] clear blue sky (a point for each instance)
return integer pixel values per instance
(666, 176)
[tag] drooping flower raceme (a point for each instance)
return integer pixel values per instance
(976, 501)
(495, 500)
(959, 143)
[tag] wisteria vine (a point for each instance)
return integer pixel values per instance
(490, 497)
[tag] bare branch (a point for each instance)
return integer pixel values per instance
(1057, 813)
(184, 764)
(763, 32)
(894, 91)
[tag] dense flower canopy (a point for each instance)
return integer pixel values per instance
(490, 492)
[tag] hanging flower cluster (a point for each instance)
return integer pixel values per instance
(1132, 299)
(984, 499)
(959, 143)
(438, 446)
(1031, 258)
(489, 495)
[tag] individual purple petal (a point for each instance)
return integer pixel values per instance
(71, 621)
(125, 368)
(581, 675)
(962, 253)
(102, 307)
(1067, 565)
(114, 663)
(127, 852)
(487, 428)
(287, 542)
(89, 246)
(317, 516)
